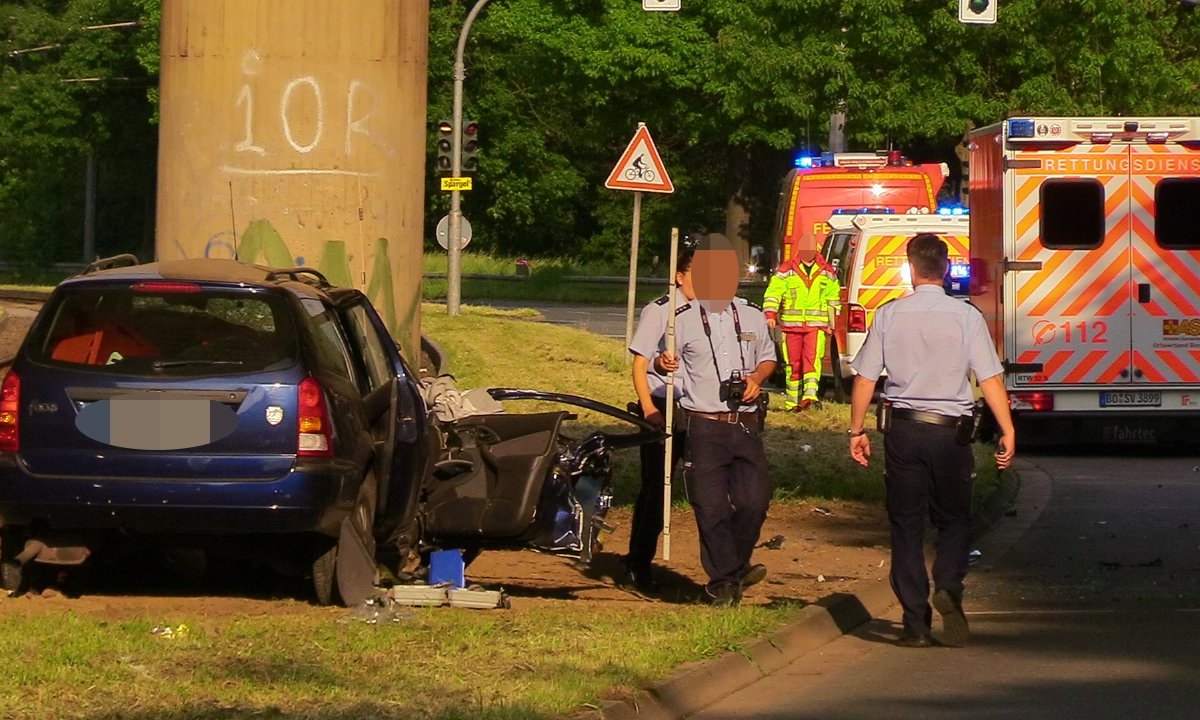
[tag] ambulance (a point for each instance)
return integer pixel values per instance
(818, 187)
(868, 251)
(1085, 261)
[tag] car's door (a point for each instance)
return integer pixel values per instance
(399, 421)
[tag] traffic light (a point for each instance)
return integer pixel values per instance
(977, 12)
(445, 146)
(470, 146)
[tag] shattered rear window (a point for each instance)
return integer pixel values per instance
(205, 332)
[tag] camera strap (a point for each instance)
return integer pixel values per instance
(737, 326)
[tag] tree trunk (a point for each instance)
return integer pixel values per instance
(737, 226)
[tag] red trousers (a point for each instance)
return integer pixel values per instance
(803, 351)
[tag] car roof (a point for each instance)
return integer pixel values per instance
(205, 270)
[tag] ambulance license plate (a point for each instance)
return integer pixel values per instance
(1140, 398)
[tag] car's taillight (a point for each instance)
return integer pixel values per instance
(10, 414)
(316, 432)
(165, 288)
(857, 319)
(1036, 401)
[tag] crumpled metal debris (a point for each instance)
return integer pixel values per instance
(375, 611)
(775, 543)
(170, 633)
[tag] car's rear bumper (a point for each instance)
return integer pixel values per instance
(309, 498)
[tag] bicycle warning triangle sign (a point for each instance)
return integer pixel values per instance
(640, 168)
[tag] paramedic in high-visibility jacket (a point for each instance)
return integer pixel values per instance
(800, 300)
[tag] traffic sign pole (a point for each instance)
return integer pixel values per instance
(454, 259)
(633, 257)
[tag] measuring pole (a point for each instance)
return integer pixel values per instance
(672, 291)
(633, 257)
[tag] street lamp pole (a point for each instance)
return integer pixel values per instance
(454, 241)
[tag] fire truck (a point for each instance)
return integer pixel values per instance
(882, 181)
(1085, 261)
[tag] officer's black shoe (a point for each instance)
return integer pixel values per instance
(915, 641)
(723, 595)
(640, 579)
(752, 575)
(956, 632)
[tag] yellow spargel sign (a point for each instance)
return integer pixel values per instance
(456, 183)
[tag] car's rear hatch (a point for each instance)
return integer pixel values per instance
(161, 380)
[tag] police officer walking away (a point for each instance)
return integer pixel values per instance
(930, 344)
(648, 341)
(726, 354)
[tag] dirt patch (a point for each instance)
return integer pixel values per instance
(826, 549)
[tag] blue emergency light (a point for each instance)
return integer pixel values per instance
(952, 210)
(1020, 128)
(957, 282)
(863, 211)
(804, 161)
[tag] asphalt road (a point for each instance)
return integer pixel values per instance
(1086, 605)
(608, 320)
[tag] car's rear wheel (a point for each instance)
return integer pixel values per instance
(357, 569)
(324, 571)
(11, 544)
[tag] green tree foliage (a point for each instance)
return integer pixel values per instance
(731, 88)
(69, 88)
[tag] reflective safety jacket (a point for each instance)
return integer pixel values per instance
(799, 296)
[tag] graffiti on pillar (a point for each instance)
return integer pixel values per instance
(304, 132)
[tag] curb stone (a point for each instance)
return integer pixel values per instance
(699, 685)
(695, 686)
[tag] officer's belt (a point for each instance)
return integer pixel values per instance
(726, 417)
(929, 418)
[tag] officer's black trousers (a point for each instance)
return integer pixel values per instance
(729, 488)
(927, 473)
(648, 508)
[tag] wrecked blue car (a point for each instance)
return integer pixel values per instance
(213, 405)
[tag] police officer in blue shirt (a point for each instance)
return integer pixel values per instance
(648, 341)
(726, 352)
(930, 345)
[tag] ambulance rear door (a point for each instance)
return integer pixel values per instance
(1093, 283)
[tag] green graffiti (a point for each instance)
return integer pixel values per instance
(334, 263)
(262, 243)
(261, 238)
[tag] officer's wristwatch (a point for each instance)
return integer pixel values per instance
(856, 433)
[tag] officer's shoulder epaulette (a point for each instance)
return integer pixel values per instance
(681, 308)
(751, 303)
(662, 300)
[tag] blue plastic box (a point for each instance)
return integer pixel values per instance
(446, 566)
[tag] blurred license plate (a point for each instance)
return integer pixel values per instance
(1131, 399)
